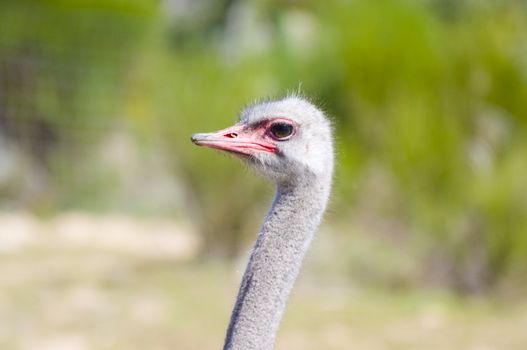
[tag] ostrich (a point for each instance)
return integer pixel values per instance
(290, 142)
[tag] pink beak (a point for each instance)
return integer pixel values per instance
(234, 139)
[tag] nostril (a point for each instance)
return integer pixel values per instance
(231, 135)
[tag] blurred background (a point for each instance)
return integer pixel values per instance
(117, 233)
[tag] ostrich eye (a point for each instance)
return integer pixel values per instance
(281, 130)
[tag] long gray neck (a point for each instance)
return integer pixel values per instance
(275, 262)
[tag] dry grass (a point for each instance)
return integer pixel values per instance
(56, 295)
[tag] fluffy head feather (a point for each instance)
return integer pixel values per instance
(307, 151)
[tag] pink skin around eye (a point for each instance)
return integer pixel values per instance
(241, 140)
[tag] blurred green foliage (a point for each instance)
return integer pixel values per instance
(428, 98)
(63, 65)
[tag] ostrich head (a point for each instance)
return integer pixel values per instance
(284, 140)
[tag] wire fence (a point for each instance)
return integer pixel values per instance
(97, 100)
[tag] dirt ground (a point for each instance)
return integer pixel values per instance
(80, 282)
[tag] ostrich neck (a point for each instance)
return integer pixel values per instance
(275, 262)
